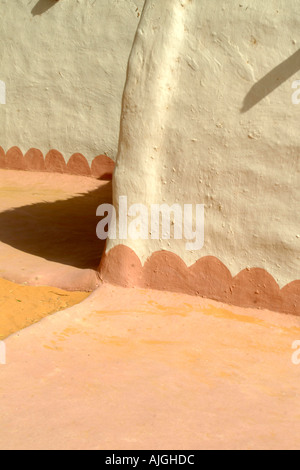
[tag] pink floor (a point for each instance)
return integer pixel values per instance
(134, 369)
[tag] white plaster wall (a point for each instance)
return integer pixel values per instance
(65, 71)
(189, 136)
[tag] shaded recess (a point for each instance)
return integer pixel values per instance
(61, 231)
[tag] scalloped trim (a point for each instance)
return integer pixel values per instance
(208, 277)
(102, 167)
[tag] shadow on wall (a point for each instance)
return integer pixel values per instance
(271, 81)
(42, 6)
(60, 231)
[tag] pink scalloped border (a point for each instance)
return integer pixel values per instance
(102, 167)
(208, 277)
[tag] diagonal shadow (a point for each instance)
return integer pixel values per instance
(61, 231)
(271, 81)
(42, 6)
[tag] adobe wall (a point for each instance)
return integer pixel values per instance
(64, 65)
(208, 119)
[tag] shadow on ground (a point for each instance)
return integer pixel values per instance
(61, 231)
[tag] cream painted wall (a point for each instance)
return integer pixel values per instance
(65, 71)
(191, 133)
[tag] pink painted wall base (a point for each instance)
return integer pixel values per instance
(208, 278)
(102, 167)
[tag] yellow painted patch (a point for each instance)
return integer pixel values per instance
(21, 306)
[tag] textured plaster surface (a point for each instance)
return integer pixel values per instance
(64, 65)
(208, 119)
(136, 369)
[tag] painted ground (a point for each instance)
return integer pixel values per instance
(21, 306)
(126, 368)
(135, 369)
